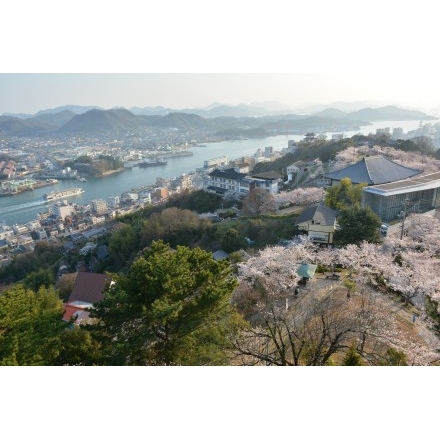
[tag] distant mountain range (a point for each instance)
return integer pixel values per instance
(241, 120)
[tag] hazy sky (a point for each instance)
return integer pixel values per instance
(29, 93)
(380, 51)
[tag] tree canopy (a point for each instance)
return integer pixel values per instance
(199, 201)
(30, 326)
(172, 307)
(258, 201)
(344, 194)
(355, 225)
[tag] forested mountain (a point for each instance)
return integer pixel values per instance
(227, 120)
(102, 120)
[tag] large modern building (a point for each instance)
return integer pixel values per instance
(391, 200)
(393, 189)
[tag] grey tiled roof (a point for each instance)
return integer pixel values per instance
(374, 170)
(269, 175)
(321, 214)
(228, 174)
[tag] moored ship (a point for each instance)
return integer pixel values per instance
(55, 195)
(152, 163)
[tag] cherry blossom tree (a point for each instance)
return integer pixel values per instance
(422, 233)
(365, 261)
(285, 330)
(327, 257)
(273, 271)
(300, 196)
(258, 201)
(414, 265)
(309, 328)
(370, 319)
(414, 277)
(312, 330)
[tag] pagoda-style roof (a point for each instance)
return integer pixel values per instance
(375, 170)
(306, 270)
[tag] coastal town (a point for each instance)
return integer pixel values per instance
(65, 220)
(32, 163)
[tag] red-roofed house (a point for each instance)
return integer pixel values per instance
(78, 313)
(87, 290)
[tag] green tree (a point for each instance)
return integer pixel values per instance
(175, 226)
(78, 347)
(84, 159)
(30, 326)
(37, 278)
(344, 194)
(394, 358)
(352, 358)
(45, 256)
(199, 201)
(64, 285)
(123, 245)
(232, 241)
(356, 225)
(172, 307)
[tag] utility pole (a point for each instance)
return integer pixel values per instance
(405, 203)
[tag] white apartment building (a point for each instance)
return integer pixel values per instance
(145, 197)
(20, 229)
(217, 162)
(129, 196)
(99, 206)
(6, 231)
(33, 225)
(62, 211)
(222, 181)
(98, 219)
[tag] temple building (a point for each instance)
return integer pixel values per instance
(375, 170)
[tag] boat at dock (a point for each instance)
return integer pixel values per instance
(153, 163)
